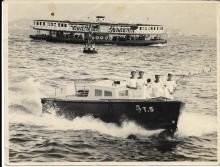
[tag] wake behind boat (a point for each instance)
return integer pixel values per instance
(113, 102)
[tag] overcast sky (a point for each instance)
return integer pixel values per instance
(189, 18)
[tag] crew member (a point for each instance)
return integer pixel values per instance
(148, 89)
(170, 84)
(140, 85)
(131, 82)
(157, 88)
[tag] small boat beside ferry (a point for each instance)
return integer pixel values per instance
(90, 46)
(103, 32)
(112, 102)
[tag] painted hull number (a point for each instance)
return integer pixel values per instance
(141, 109)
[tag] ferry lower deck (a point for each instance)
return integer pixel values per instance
(136, 42)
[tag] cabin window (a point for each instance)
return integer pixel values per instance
(61, 24)
(43, 23)
(37, 23)
(64, 25)
(107, 93)
(58, 24)
(98, 92)
(123, 93)
(40, 23)
(51, 24)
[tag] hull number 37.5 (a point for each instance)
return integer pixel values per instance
(140, 109)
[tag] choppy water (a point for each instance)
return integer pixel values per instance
(36, 67)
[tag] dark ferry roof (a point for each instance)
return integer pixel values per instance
(102, 23)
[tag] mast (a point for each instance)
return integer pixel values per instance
(90, 34)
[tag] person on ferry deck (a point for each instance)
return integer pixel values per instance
(158, 89)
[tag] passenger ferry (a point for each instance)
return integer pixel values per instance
(111, 102)
(103, 32)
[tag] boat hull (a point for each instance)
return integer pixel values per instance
(148, 114)
(109, 42)
(90, 51)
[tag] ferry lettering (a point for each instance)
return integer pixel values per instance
(120, 29)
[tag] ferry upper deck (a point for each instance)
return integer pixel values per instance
(98, 26)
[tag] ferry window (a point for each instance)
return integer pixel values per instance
(123, 93)
(61, 25)
(64, 25)
(157, 28)
(152, 28)
(37, 23)
(44, 23)
(40, 23)
(107, 93)
(161, 28)
(98, 92)
(58, 24)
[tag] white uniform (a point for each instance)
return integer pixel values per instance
(140, 88)
(133, 84)
(171, 86)
(148, 91)
(158, 90)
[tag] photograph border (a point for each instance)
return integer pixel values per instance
(5, 119)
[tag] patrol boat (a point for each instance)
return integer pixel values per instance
(111, 102)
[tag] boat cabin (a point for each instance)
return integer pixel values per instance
(105, 89)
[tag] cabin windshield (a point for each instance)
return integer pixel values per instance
(123, 93)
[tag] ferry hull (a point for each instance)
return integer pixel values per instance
(82, 41)
(148, 114)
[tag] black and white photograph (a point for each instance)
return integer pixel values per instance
(110, 82)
